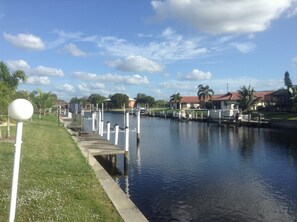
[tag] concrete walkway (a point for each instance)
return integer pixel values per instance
(89, 147)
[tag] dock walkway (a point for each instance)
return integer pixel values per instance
(92, 145)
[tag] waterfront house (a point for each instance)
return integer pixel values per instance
(230, 100)
(186, 102)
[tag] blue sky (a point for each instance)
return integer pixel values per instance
(75, 48)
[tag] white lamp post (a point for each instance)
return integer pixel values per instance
(20, 110)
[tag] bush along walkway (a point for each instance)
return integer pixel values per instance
(55, 182)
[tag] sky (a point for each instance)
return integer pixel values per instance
(159, 48)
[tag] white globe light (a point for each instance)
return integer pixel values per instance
(20, 109)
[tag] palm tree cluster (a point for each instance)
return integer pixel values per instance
(204, 93)
(8, 86)
(247, 98)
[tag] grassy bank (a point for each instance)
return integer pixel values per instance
(55, 183)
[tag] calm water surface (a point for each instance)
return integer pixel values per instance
(186, 171)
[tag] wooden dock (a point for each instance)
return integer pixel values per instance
(91, 143)
(98, 146)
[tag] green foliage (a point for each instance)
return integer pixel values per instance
(204, 93)
(287, 80)
(96, 99)
(145, 100)
(247, 98)
(118, 100)
(82, 100)
(11, 80)
(43, 101)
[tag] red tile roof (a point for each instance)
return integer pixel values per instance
(189, 99)
(230, 96)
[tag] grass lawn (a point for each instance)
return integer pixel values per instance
(55, 182)
(280, 115)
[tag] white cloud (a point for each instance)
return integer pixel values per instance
(47, 71)
(35, 80)
(245, 47)
(195, 75)
(294, 60)
(67, 88)
(18, 65)
(136, 64)
(25, 41)
(222, 16)
(113, 78)
(166, 48)
(74, 50)
(83, 87)
(97, 85)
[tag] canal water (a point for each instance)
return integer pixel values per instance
(188, 171)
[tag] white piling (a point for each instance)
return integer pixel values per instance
(138, 126)
(108, 131)
(126, 139)
(127, 119)
(99, 123)
(116, 134)
(93, 121)
(102, 111)
(102, 126)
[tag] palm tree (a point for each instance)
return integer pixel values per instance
(204, 93)
(42, 101)
(175, 98)
(11, 80)
(247, 97)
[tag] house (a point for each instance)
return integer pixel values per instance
(230, 100)
(186, 102)
(131, 102)
(277, 98)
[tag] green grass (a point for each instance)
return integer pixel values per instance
(55, 182)
(280, 115)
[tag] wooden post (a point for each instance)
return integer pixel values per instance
(116, 134)
(108, 131)
(220, 116)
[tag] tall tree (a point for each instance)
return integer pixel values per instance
(96, 99)
(287, 80)
(247, 97)
(11, 80)
(144, 100)
(118, 100)
(204, 93)
(175, 98)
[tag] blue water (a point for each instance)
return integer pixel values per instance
(187, 171)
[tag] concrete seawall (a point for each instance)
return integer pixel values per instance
(126, 208)
(283, 124)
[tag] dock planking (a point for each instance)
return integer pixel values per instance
(96, 145)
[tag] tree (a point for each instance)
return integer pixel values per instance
(247, 98)
(43, 101)
(176, 99)
(8, 85)
(11, 80)
(145, 100)
(287, 80)
(118, 100)
(96, 99)
(204, 93)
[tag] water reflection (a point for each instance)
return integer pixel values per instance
(187, 171)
